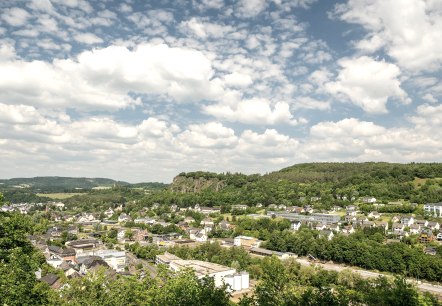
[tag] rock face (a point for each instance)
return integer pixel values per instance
(185, 184)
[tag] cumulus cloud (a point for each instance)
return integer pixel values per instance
(368, 83)
(102, 78)
(209, 135)
(15, 16)
(347, 127)
(88, 38)
(252, 111)
(250, 8)
(409, 30)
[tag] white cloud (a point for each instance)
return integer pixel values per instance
(88, 38)
(252, 111)
(15, 16)
(409, 30)
(349, 127)
(250, 8)
(310, 103)
(209, 135)
(236, 79)
(102, 78)
(368, 83)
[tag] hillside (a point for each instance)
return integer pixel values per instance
(416, 182)
(57, 184)
(354, 172)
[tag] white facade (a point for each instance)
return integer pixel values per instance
(434, 209)
(115, 259)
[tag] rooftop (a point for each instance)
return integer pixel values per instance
(201, 268)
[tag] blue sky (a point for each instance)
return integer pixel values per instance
(143, 90)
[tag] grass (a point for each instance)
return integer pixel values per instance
(58, 196)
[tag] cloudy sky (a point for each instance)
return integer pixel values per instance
(142, 90)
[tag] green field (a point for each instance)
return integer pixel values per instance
(58, 196)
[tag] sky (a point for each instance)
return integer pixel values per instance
(143, 90)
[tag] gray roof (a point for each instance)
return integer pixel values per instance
(50, 279)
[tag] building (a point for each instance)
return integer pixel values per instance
(57, 255)
(221, 274)
(165, 258)
(83, 245)
(246, 241)
(266, 253)
(314, 217)
(239, 207)
(426, 236)
(115, 259)
(433, 209)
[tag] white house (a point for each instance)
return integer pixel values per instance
(295, 225)
(434, 209)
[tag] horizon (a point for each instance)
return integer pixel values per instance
(143, 90)
(222, 172)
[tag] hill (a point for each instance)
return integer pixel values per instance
(299, 184)
(57, 183)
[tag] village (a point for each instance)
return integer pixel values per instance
(75, 244)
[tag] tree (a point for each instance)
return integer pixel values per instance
(18, 263)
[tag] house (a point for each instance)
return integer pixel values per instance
(224, 225)
(173, 207)
(374, 214)
(210, 210)
(91, 264)
(350, 219)
(326, 234)
(115, 259)
(83, 245)
(367, 224)
(348, 229)
(259, 205)
(124, 218)
(415, 229)
(308, 209)
(426, 236)
(282, 207)
(382, 224)
(398, 228)
(60, 254)
(332, 227)
(421, 223)
(395, 219)
(86, 218)
(69, 269)
(439, 236)
(239, 207)
(319, 227)
(121, 234)
(208, 228)
(246, 241)
(407, 220)
(295, 225)
(189, 220)
(370, 200)
(52, 280)
(148, 221)
(434, 209)
(430, 251)
(201, 236)
(272, 206)
(109, 212)
(435, 226)
(207, 221)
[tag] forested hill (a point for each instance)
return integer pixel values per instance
(355, 172)
(416, 182)
(58, 184)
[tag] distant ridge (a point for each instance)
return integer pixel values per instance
(58, 183)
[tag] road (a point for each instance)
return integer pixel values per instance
(422, 286)
(135, 260)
